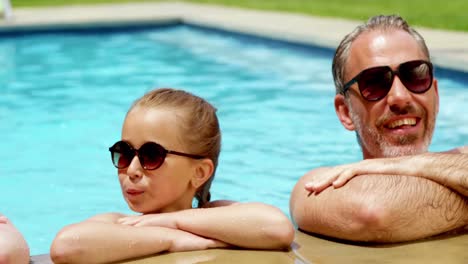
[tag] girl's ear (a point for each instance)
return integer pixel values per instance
(342, 111)
(203, 171)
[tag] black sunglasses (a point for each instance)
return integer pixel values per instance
(150, 154)
(375, 83)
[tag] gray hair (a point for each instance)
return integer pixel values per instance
(380, 22)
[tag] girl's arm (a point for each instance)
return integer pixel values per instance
(247, 225)
(13, 247)
(101, 240)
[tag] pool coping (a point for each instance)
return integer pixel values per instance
(448, 48)
(307, 249)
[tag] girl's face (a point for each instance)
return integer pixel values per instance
(169, 187)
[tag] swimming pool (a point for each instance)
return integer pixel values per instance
(64, 96)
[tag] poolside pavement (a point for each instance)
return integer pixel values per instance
(449, 49)
(308, 249)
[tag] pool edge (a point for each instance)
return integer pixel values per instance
(448, 48)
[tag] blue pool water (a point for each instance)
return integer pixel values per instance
(63, 98)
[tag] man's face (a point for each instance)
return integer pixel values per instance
(401, 123)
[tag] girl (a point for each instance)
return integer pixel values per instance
(167, 156)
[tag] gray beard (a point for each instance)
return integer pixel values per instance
(378, 147)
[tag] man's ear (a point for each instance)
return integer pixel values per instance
(342, 111)
(436, 89)
(203, 171)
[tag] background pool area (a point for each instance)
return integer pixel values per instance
(63, 97)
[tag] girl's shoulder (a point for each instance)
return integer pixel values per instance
(107, 217)
(219, 203)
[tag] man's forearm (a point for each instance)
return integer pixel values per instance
(450, 170)
(381, 208)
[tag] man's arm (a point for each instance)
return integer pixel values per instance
(462, 150)
(102, 240)
(383, 208)
(247, 225)
(13, 247)
(449, 169)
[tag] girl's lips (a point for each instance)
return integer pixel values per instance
(133, 192)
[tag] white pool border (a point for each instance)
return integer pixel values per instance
(449, 49)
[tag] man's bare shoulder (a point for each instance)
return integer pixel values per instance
(463, 149)
(311, 174)
(459, 150)
(299, 191)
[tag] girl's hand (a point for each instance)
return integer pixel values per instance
(189, 242)
(163, 220)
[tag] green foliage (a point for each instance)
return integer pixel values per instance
(427, 13)
(43, 3)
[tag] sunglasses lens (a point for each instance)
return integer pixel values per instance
(374, 83)
(151, 155)
(122, 154)
(416, 76)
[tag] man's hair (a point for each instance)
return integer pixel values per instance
(380, 22)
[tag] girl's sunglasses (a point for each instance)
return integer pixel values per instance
(150, 154)
(375, 83)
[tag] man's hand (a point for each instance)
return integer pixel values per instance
(338, 176)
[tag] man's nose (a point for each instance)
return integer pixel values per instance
(398, 96)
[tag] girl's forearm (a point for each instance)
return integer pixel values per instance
(249, 225)
(97, 242)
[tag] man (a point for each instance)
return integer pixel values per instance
(385, 91)
(13, 247)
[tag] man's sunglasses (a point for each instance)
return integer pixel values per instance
(375, 83)
(150, 154)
